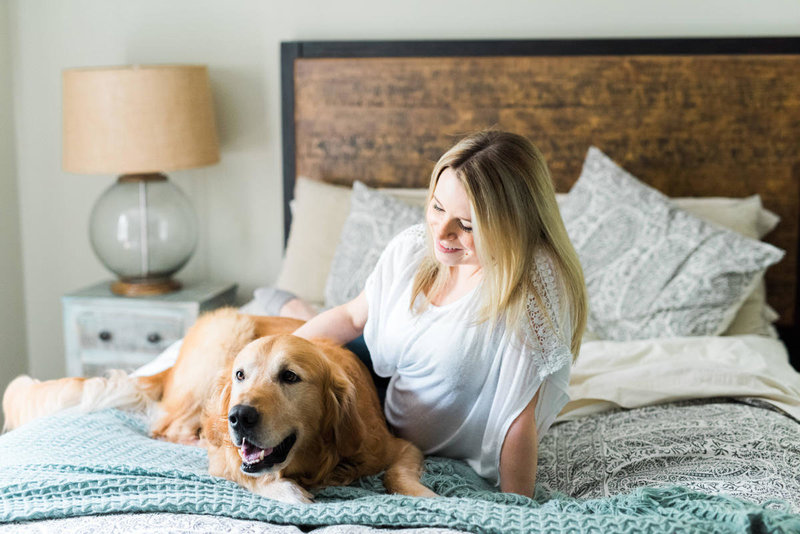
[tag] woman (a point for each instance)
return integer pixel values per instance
(475, 315)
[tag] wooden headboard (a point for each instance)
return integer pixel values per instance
(691, 117)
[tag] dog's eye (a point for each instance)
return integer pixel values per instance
(239, 375)
(289, 377)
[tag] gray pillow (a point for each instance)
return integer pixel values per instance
(653, 270)
(374, 219)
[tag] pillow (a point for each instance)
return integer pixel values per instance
(319, 211)
(413, 196)
(745, 216)
(318, 214)
(653, 270)
(375, 218)
(748, 217)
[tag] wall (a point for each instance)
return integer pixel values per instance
(238, 201)
(13, 359)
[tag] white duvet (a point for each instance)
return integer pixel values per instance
(629, 374)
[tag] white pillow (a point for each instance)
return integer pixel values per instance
(653, 270)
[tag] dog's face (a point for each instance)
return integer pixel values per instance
(285, 396)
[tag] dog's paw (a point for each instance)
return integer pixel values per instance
(427, 493)
(285, 490)
(417, 489)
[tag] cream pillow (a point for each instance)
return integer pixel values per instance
(319, 211)
(318, 214)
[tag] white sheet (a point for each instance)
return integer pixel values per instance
(629, 374)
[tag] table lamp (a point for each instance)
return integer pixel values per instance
(138, 122)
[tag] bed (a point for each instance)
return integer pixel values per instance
(685, 410)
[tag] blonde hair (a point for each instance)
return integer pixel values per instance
(514, 214)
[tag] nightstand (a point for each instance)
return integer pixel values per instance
(105, 331)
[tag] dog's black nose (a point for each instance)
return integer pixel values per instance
(242, 417)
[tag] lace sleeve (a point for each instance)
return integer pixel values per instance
(549, 325)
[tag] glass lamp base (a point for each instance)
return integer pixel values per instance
(145, 288)
(143, 229)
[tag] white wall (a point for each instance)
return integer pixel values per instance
(13, 359)
(239, 199)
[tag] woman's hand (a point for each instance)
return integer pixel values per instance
(520, 453)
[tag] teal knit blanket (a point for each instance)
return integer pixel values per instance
(80, 464)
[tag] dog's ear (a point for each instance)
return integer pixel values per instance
(346, 426)
(215, 410)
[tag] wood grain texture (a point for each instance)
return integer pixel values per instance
(707, 125)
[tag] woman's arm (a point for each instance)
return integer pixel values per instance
(341, 324)
(520, 452)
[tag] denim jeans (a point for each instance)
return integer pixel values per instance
(359, 348)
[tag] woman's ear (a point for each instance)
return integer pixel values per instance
(346, 424)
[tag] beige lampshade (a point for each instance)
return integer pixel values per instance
(138, 119)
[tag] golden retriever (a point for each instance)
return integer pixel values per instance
(278, 414)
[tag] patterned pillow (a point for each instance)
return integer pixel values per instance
(374, 219)
(653, 270)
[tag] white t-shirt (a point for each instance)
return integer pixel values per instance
(457, 386)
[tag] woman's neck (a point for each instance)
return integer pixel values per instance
(461, 280)
(466, 274)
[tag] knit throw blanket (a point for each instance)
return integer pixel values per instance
(75, 464)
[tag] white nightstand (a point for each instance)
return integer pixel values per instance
(105, 331)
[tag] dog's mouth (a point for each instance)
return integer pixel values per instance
(256, 459)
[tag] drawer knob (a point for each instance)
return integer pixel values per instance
(105, 335)
(155, 337)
